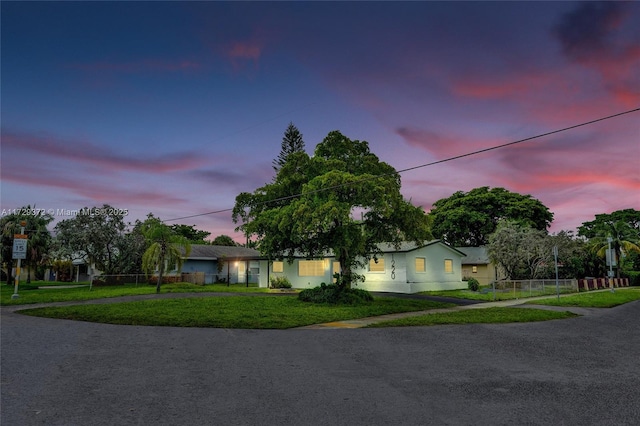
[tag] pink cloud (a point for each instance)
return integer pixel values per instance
(474, 86)
(86, 185)
(244, 55)
(442, 146)
(19, 144)
(245, 50)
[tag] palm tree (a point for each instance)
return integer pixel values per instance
(36, 229)
(166, 249)
(623, 239)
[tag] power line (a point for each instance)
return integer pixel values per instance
(457, 157)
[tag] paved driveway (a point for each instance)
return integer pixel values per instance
(580, 371)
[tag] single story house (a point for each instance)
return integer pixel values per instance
(411, 268)
(477, 265)
(209, 264)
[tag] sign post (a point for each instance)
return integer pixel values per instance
(19, 253)
(555, 257)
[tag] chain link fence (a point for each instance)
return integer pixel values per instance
(531, 288)
(198, 278)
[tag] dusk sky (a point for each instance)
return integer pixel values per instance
(176, 107)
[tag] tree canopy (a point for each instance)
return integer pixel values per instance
(343, 200)
(527, 253)
(195, 236)
(468, 218)
(292, 142)
(94, 235)
(223, 240)
(602, 222)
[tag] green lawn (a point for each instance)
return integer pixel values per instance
(596, 299)
(474, 316)
(29, 294)
(257, 312)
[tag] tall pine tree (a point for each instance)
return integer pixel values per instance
(291, 142)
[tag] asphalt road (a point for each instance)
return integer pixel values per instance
(580, 371)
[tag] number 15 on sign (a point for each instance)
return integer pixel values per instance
(19, 248)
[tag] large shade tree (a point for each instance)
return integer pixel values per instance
(523, 252)
(468, 218)
(94, 235)
(602, 222)
(343, 200)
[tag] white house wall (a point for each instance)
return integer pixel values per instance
(393, 279)
(399, 275)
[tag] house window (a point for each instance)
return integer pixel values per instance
(376, 266)
(474, 269)
(421, 264)
(311, 268)
(278, 267)
(448, 266)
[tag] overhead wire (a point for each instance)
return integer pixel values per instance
(456, 157)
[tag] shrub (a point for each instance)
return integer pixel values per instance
(332, 294)
(279, 282)
(473, 284)
(634, 277)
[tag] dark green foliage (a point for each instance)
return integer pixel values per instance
(473, 284)
(309, 207)
(223, 240)
(467, 219)
(279, 282)
(335, 295)
(93, 235)
(190, 233)
(292, 142)
(634, 277)
(602, 223)
(39, 239)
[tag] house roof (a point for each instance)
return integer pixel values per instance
(410, 246)
(475, 255)
(402, 248)
(209, 252)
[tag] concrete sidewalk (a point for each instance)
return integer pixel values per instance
(517, 303)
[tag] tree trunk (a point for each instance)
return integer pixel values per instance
(346, 276)
(160, 271)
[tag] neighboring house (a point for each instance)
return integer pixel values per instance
(223, 264)
(409, 269)
(477, 265)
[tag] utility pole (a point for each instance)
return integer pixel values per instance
(610, 258)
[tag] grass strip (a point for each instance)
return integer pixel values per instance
(597, 299)
(257, 312)
(476, 316)
(30, 294)
(486, 294)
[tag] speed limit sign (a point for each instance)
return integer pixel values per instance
(19, 248)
